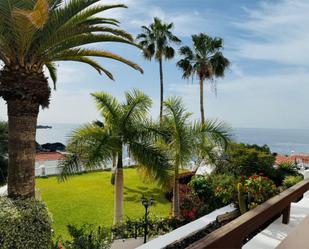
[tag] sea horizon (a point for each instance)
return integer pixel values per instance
(280, 140)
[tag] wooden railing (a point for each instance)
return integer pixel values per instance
(233, 234)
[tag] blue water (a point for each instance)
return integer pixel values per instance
(282, 141)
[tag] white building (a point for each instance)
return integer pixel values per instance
(46, 163)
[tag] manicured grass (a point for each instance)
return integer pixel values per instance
(89, 198)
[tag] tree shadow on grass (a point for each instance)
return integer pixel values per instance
(136, 195)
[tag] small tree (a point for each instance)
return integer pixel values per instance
(123, 124)
(184, 139)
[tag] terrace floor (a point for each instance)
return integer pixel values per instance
(271, 237)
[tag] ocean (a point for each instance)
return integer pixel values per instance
(282, 141)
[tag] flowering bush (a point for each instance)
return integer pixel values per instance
(258, 189)
(214, 190)
(191, 206)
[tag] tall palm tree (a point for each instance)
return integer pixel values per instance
(205, 61)
(157, 40)
(35, 35)
(186, 140)
(123, 125)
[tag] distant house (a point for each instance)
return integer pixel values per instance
(46, 163)
(301, 160)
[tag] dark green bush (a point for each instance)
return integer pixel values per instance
(24, 224)
(246, 160)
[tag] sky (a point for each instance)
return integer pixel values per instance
(267, 85)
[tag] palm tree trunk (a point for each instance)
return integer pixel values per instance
(114, 161)
(202, 100)
(161, 88)
(22, 115)
(118, 199)
(176, 192)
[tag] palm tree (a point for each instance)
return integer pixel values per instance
(206, 61)
(123, 125)
(35, 35)
(186, 140)
(156, 41)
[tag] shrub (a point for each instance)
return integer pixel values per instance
(133, 228)
(289, 181)
(87, 237)
(258, 189)
(215, 190)
(244, 159)
(283, 170)
(24, 224)
(224, 187)
(191, 207)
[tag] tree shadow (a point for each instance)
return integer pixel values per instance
(136, 194)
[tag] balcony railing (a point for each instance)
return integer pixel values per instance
(233, 234)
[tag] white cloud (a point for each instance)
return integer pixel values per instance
(140, 13)
(270, 101)
(277, 31)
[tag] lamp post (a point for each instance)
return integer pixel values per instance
(146, 203)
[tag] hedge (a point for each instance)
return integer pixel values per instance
(24, 224)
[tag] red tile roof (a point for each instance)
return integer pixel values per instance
(304, 158)
(48, 156)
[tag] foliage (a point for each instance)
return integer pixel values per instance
(283, 170)
(224, 187)
(42, 32)
(123, 124)
(24, 224)
(191, 207)
(244, 159)
(291, 180)
(156, 40)
(214, 190)
(183, 139)
(72, 203)
(206, 60)
(3, 152)
(87, 237)
(258, 189)
(133, 228)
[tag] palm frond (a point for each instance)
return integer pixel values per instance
(108, 106)
(153, 160)
(136, 107)
(79, 52)
(52, 69)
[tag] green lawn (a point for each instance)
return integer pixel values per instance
(89, 198)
